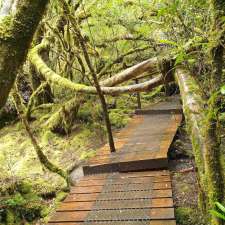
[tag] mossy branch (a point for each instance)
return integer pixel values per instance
(41, 156)
(54, 78)
(32, 99)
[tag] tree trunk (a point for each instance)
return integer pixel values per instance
(213, 152)
(16, 33)
(62, 121)
(41, 156)
(202, 131)
(132, 72)
(46, 95)
(98, 89)
(218, 36)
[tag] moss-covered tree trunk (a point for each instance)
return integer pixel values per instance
(213, 167)
(62, 120)
(46, 96)
(40, 154)
(218, 38)
(44, 92)
(202, 123)
(16, 33)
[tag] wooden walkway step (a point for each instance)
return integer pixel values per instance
(143, 144)
(136, 198)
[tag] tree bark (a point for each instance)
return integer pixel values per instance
(16, 33)
(132, 72)
(202, 128)
(62, 120)
(218, 37)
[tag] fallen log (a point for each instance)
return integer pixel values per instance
(132, 72)
(201, 125)
(56, 79)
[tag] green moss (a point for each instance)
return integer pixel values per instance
(188, 216)
(87, 154)
(61, 196)
(47, 137)
(24, 187)
(10, 217)
(118, 118)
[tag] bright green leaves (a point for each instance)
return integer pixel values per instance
(219, 212)
(168, 42)
(222, 90)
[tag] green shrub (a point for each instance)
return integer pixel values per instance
(118, 118)
(219, 212)
(188, 216)
(22, 203)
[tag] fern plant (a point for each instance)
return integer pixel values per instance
(219, 212)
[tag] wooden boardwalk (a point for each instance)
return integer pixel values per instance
(121, 188)
(143, 144)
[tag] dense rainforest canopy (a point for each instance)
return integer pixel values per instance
(73, 71)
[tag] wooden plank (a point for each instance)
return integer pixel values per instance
(132, 179)
(163, 222)
(162, 213)
(64, 223)
(90, 182)
(130, 174)
(69, 216)
(86, 190)
(161, 185)
(161, 202)
(157, 111)
(75, 206)
(81, 197)
(162, 193)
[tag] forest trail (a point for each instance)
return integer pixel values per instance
(133, 185)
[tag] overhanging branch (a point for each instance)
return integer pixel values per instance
(54, 78)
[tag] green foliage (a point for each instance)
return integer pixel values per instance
(118, 118)
(21, 202)
(219, 212)
(222, 90)
(90, 111)
(190, 216)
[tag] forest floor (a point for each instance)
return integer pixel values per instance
(184, 181)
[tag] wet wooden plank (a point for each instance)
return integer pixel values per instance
(161, 203)
(162, 213)
(163, 222)
(87, 206)
(86, 190)
(64, 223)
(81, 197)
(74, 216)
(75, 206)
(90, 182)
(162, 193)
(162, 185)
